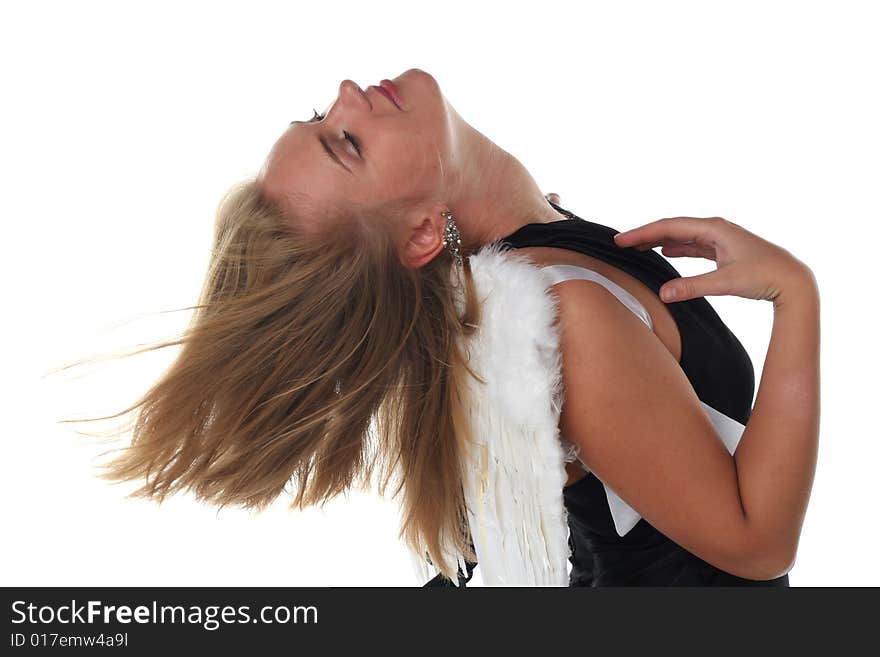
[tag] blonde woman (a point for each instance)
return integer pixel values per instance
(328, 305)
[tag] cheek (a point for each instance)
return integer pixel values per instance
(411, 166)
(424, 157)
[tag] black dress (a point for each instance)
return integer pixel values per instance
(721, 373)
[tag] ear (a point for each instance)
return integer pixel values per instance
(423, 238)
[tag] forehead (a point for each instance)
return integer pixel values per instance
(292, 165)
(302, 180)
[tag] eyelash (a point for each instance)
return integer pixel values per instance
(351, 138)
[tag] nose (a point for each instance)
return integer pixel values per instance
(350, 92)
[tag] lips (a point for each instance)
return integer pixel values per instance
(385, 93)
(392, 92)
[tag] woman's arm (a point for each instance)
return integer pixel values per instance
(641, 427)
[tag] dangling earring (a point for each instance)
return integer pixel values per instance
(452, 238)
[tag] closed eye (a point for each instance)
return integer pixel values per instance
(354, 141)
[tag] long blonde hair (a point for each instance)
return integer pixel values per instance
(298, 343)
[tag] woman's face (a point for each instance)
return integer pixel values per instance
(404, 151)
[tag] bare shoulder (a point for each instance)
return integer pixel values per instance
(665, 326)
(640, 427)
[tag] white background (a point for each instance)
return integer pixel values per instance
(124, 123)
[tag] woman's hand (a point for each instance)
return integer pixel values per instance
(553, 197)
(748, 266)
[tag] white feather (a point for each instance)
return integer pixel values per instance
(514, 470)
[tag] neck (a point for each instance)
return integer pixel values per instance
(496, 194)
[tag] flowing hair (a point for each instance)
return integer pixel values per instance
(311, 360)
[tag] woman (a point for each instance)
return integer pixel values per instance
(328, 306)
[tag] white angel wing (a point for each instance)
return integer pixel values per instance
(514, 464)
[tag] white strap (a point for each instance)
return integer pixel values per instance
(559, 273)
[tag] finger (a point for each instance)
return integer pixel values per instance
(703, 245)
(712, 283)
(553, 197)
(671, 229)
(688, 250)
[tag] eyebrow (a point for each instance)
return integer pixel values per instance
(333, 156)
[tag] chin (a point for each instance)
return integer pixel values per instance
(419, 77)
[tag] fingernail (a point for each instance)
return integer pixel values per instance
(668, 294)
